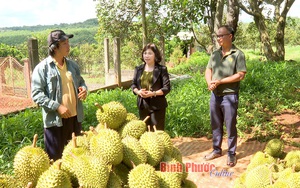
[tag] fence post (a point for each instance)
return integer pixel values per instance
(106, 55)
(117, 61)
(27, 77)
(33, 52)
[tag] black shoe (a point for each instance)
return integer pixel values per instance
(231, 160)
(212, 155)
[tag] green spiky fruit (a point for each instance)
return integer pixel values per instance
(54, 177)
(134, 128)
(8, 181)
(122, 171)
(91, 171)
(114, 181)
(131, 116)
(258, 177)
(133, 152)
(274, 147)
(165, 137)
(176, 154)
(107, 146)
(188, 184)
(29, 163)
(293, 159)
(293, 180)
(168, 179)
(113, 114)
(71, 151)
(260, 158)
(154, 147)
(170, 172)
(143, 176)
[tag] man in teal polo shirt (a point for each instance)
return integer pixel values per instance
(224, 71)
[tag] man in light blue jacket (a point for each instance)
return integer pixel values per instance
(58, 88)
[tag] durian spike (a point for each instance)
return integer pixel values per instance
(99, 106)
(35, 138)
(149, 128)
(51, 161)
(29, 185)
(105, 125)
(154, 127)
(74, 140)
(146, 119)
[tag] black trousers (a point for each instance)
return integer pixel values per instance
(56, 138)
(157, 117)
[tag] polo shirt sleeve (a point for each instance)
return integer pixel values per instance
(241, 63)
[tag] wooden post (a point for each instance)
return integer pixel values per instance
(117, 61)
(27, 77)
(106, 55)
(33, 52)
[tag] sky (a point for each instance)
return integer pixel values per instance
(45, 12)
(49, 12)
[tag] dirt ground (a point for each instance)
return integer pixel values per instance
(194, 149)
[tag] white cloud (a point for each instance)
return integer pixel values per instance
(45, 12)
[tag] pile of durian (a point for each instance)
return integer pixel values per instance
(120, 151)
(272, 168)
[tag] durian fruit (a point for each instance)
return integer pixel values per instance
(165, 137)
(114, 181)
(188, 184)
(54, 177)
(293, 159)
(258, 177)
(71, 151)
(133, 152)
(143, 176)
(170, 172)
(240, 181)
(154, 147)
(168, 179)
(122, 171)
(260, 158)
(134, 128)
(8, 181)
(176, 153)
(293, 180)
(131, 116)
(282, 175)
(113, 114)
(274, 147)
(91, 171)
(107, 146)
(29, 163)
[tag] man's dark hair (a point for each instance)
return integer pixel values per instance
(51, 48)
(230, 30)
(156, 51)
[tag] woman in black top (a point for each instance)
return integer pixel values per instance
(151, 84)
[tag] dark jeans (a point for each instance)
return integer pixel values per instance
(157, 117)
(223, 109)
(56, 138)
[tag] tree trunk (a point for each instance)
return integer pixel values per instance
(218, 20)
(233, 11)
(264, 37)
(144, 22)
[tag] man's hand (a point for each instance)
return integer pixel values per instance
(63, 111)
(82, 93)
